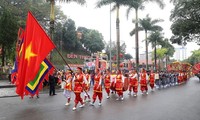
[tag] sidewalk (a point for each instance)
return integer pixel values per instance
(8, 90)
(6, 84)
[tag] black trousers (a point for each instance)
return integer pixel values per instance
(52, 90)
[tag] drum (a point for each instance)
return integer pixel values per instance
(126, 84)
(112, 86)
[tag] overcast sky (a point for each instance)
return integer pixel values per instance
(99, 18)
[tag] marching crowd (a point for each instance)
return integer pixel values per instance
(114, 82)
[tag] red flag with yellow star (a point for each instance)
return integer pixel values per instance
(36, 47)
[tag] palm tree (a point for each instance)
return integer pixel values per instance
(139, 5)
(155, 38)
(147, 24)
(117, 4)
(52, 16)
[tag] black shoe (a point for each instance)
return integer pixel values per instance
(38, 97)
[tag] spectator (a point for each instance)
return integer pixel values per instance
(52, 84)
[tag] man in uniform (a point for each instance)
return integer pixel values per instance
(143, 81)
(107, 83)
(97, 90)
(133, 83)
(78, 80)
(68, 86)
(87, 86)
(152, 79)
(119, 81)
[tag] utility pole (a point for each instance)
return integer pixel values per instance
(110, 42)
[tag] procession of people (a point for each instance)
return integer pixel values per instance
(116, 82)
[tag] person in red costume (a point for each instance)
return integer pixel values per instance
(180, 77)
(68, 86)
(107, 83)
(119, 83)
(152, 79)
(97, 90)
(87, 86)
(78, 80)
(143, 81)
(133, 83)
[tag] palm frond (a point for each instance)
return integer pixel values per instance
(101, 3)
(159, 2)
(134, 30)
(82, 2)
(128, 12)
(156, 21)
(114, 7)
(156, 28)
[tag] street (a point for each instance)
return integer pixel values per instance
(173, 103)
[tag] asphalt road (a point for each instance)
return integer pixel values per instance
(174, 103)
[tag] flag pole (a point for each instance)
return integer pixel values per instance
(69, 67)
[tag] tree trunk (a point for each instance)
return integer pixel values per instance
(118, 37)
(136, 40)
(146, 45)
(3, 56)
(52, 20)
(110, 64)
(155, 57)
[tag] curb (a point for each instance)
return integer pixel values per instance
(42, 92)
(7, 86)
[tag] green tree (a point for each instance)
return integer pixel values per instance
(195, 57)
(155, 39)
(8, 34)
(147, 24)
(160, 54)
(116, 6)
(186, 21)
(114, 48)
(128, 56)
(91, 39)
(70, 40)
(139, 5)
(52, 12)
(170, 49)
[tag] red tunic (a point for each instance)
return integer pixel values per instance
(152, 78)
(143, 81)
(119, 82)
(68, 85)
(180, 77)
(97, 84)
(133, 81)
(87, 86)
(107, 81)
(78, 83)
